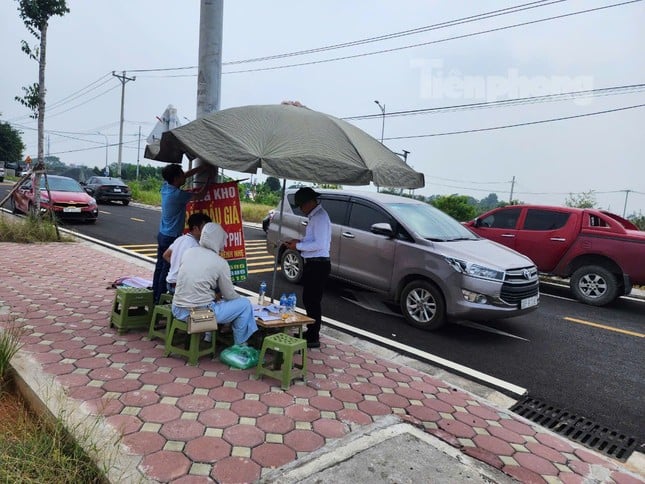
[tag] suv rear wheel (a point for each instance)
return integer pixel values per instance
(292, 266)
(423, 306)
(594, 285)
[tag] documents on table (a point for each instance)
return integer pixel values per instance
(266, 313)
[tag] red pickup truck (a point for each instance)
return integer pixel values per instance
(601, 253)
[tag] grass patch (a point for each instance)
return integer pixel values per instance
(254, 212)
(34, 451)
(9, 345)
(28, 229)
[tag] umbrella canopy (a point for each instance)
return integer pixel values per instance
(287, 141)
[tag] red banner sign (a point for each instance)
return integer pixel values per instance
(222, 204)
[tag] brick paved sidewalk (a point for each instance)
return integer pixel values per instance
(177, 423)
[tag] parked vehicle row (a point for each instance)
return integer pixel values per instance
(600, 252)
(414, 255)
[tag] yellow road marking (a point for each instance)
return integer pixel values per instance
(608, 328)
(137, 219)
(139, 246)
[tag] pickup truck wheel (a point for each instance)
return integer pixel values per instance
(594, 285)
(292, 266)
(423, 306)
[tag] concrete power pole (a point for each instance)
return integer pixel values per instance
(625, 206)
(510, 200)
(123, 80)
(209, 73)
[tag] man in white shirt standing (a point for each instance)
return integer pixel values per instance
(174, 253)
(314, 249)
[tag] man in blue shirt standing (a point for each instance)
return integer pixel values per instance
(173, 216)
(314, 249)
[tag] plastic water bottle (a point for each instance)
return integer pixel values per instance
(292, 303)
(283, 306)
(262, 293)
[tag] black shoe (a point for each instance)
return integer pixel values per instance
(313, 344)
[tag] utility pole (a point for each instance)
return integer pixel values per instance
(138, 152)
(124, 79)
(209, 71)
(625, 206)
(510, 200)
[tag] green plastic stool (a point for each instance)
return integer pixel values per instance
(165, 298)
(193, 353)
(285, 346)
(161, 312)
(132, 309)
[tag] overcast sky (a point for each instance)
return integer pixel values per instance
(596, 50)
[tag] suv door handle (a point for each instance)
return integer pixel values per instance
(511, 236)
(304, 222)
(558, 239)
(349, 235)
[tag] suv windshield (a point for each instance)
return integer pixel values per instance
(430, 223)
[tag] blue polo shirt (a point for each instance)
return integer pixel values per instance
(173, 210)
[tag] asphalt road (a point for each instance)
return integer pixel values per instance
(589, 361)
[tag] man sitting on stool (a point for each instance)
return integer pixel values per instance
(201, 271)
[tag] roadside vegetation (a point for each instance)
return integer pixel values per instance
(33, 450)
(28, 230)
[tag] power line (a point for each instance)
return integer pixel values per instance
(463, 36)
(509, 102)
(529, 123)
(84, 102)
(389, 36)
(75, 95)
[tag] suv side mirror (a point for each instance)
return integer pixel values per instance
(477, 223)
(382, 228)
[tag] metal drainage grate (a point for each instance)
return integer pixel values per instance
(578, 428)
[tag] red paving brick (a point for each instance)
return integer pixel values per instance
(303, 440)
(207, 449)
(217, 411)
(165, 466)
(236, 469)
(273, 455)
(244, 435)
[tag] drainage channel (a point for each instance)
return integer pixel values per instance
(609, 442)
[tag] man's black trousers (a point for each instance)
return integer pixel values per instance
(314, 278)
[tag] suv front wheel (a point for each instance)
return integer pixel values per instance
(292, 266)
(423, 306)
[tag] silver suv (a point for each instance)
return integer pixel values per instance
(415, 255)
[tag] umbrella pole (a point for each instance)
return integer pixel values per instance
(275, 262)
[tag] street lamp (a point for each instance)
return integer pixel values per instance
(382, 108)
(107, 173)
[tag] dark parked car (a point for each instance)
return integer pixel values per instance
(266, 221)
(106, 188)
(68, 199)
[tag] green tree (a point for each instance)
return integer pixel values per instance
(581, 200)
(273, 184)
(11, 145)
(488, 203)
(35, 14)
(54, 164)
(457, 206)
(637, 219)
